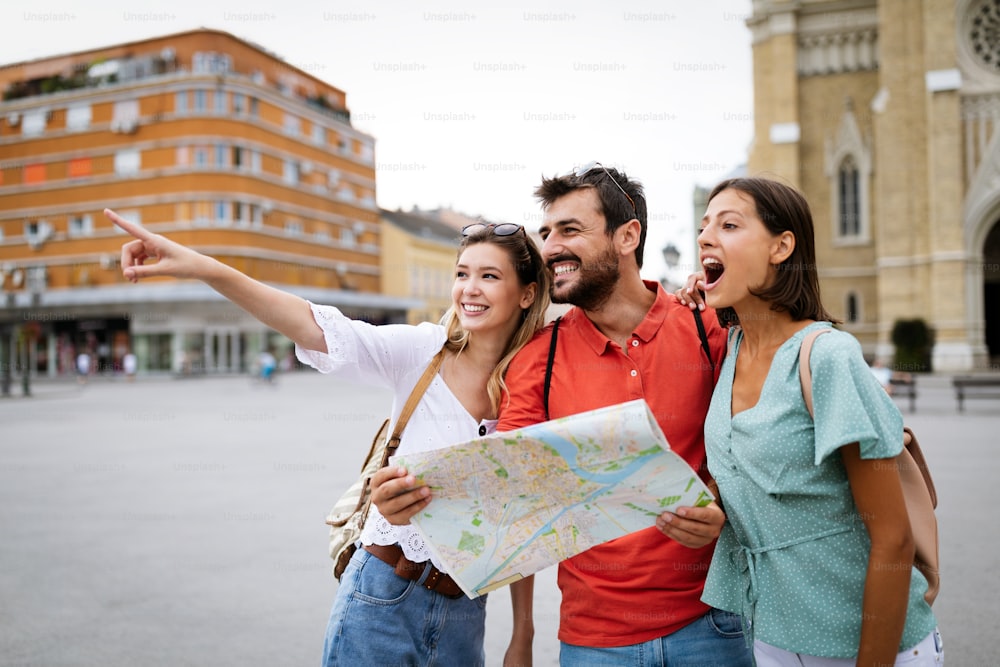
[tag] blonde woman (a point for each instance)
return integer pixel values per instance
(499, 298)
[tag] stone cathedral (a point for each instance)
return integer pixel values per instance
(885, 114)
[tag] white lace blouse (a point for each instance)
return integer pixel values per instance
(395, 356)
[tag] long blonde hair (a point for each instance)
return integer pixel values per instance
(530, 268)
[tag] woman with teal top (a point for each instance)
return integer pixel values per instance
(817, 552)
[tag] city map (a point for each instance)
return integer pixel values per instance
(508, 505)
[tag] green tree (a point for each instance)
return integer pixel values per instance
(913, 340)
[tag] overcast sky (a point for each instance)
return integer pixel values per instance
(469, 106)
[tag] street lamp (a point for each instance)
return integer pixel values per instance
(671, 255)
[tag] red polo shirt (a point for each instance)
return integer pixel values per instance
(644, 585)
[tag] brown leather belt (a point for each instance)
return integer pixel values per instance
(436, 581)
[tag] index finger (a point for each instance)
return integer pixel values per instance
(135, 230)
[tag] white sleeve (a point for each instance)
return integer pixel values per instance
(363, 352)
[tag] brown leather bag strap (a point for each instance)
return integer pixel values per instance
(411, 405)
(805, 373)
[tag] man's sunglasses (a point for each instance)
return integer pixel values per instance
(593, 165)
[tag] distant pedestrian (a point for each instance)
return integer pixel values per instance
(267, 366)
(129, 364)
(82, 367)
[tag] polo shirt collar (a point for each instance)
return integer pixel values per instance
(646, 330)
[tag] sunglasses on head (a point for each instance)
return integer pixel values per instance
(594, 165)
(501, 229)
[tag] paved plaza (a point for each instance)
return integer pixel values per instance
(180, 521)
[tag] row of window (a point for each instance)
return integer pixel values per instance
(125, 118)
(217, 213)
(430, 282)
(221, 156)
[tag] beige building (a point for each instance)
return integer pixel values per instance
(418, 262)
(884, 113)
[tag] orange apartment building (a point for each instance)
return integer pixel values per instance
(200, 136)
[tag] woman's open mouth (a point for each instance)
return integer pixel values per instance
(713, 270)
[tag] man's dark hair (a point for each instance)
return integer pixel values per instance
(615, 206)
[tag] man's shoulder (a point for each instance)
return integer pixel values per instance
(565, 321)
(539, 343)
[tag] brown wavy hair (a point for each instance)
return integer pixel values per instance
(783, 208)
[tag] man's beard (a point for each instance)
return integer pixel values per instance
(594, 285)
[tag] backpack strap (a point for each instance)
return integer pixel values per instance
(548, 365)
(704, 338)
(805, 373)
(411, 405)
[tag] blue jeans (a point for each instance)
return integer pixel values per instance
(714, 640)
(379, 618)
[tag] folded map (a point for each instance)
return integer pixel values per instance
(508, 505)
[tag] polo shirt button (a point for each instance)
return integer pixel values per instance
(633, 372)
(482, 430)
(635, 342)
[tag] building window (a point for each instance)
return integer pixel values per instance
(81, 225)
(181, 102)
(220, 103)
(851, 308)
(291, 172)
(239, 103)
(200, 157)
(202, 213)
(33, 122)
(222, 214)
(133, 215)
(183, 156)
(366, 152)
(80, 167)
(125, 117)
(348, 237)
(200, 101)
(293, 125)
(293, 227)
(220, 156)
(255, 162)
(318, 134)
(237, 157)
(849, 224)
(128, 161)
(254, 107)
(239, 214)
(210, 62)
(34, 174)
(256, 216)
(37, 232)
(78, 117)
